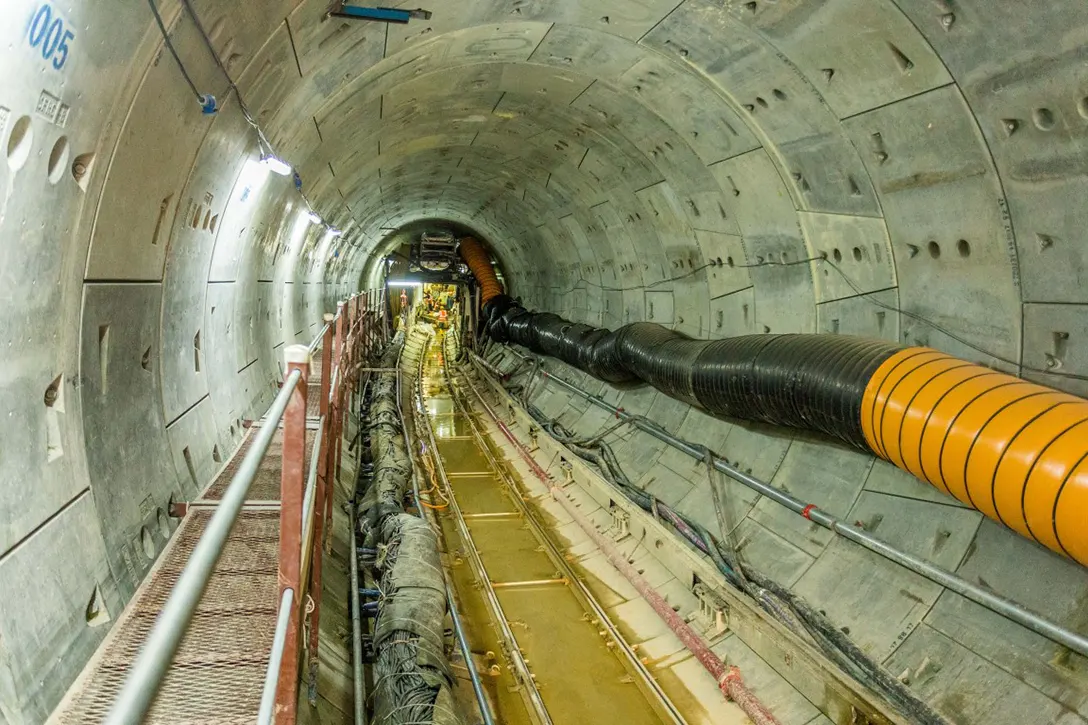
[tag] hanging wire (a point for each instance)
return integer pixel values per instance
(689, 273)
(174, 52)
(867, 296)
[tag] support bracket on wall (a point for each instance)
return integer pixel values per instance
(382, 15)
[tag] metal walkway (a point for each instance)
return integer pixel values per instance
(218, 674)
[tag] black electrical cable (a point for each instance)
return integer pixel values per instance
(219, 62)
(173, 52)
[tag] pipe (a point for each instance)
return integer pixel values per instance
(356, 629)
(477, 260)
(151, 664)
(272, 674)
(455, 617)
(994, 602)
(1014, 450)
(728, 678)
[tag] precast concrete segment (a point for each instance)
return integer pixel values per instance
(1012, 449)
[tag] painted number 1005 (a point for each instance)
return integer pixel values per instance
(49, 34)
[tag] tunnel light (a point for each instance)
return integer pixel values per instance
(276, 165)
(404, 283)
(334, 232)
(315, 218)
(252, 179)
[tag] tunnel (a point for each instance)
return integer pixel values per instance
(190, 187)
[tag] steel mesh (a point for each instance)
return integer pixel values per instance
(266, 482)
(218, 673)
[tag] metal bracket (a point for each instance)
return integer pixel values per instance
(713, 609)
(621, 522)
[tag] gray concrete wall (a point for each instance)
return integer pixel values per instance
(929, 154)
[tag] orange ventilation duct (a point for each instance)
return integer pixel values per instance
(480, 264)
(1011, 449)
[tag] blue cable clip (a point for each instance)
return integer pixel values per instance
(208, 104)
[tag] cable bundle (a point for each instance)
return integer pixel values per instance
(412, 678)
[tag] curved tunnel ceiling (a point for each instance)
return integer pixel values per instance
(907, 169)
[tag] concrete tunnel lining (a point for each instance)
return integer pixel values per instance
(611, 153)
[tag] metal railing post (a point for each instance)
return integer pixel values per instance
(292, 483)
(322, 490)
(364, 305)
(332, 453)
(326, 364)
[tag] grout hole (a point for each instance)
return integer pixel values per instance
(857, 254)
(779, 94)
(1044, 119)
(837, 255)
(964, 248)
(934, 250)
(81, 169)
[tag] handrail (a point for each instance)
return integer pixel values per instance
(317, 340)
(272, 674)
(311, 477)
(994, 602)
(151, 665)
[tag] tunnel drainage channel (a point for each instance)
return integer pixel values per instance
(994, 602)
(534, 581)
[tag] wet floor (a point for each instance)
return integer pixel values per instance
(579, 677)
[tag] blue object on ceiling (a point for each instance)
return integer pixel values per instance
(386, 15)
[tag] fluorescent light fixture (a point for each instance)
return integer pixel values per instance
(315, 218)
(276, 165)
(404, 283)
(334, 232)
(252, 179)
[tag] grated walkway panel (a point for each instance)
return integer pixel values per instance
(266, 484)
(218, 674)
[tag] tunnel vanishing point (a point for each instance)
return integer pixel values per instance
(833, 253)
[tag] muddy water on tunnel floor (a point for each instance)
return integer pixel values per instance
(579, 677)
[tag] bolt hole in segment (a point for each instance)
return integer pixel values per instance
(58, 160)
(572, 614)
(20, 141)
